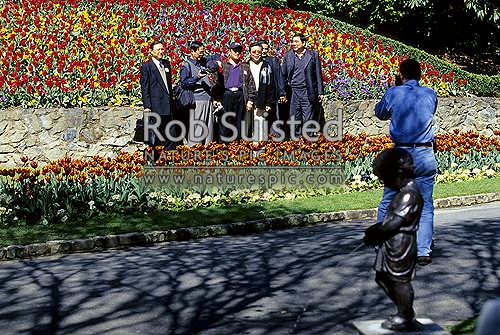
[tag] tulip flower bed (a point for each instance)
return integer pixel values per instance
(88, 52)
(72, 188)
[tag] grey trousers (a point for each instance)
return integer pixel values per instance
(201, 123)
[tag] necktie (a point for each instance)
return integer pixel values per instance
(163, 75)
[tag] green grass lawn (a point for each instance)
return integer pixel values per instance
(116, 224)
(465, 327)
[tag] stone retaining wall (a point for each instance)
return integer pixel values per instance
(51, 133)
(480, 114)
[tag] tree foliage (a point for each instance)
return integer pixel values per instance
(365, 11)
(484, 10)
(379, 12)
(438, 26)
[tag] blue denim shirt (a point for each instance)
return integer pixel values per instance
(410, 107)
(188, 79)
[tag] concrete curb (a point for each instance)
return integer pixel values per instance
(149, 238)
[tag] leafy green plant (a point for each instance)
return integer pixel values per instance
(482, 9)
(465, 327)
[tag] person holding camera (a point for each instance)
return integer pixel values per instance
(411, 108)
(194, 77)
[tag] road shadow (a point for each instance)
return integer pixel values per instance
(298, 281)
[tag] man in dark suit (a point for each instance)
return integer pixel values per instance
(301, 71)
(156, 90)
(280, 111)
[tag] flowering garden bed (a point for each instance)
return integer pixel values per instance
(88, 52)
(70, 188)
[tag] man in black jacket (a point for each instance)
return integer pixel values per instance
(301, 70)
(281, 110)
(156, 90)
(263, 114)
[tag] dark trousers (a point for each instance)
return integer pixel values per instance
(301, 109)
(283, 114)
(182, 114)
(153, 140)
(232, 102)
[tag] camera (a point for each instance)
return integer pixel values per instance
(398, 81)
(203, 71)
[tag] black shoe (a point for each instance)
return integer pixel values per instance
(424, 260)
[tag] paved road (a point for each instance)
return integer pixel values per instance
(298, 281)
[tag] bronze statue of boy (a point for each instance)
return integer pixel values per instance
(396, 236)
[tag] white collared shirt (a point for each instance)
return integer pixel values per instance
(163, 70)
(255, 69)
(157, 63)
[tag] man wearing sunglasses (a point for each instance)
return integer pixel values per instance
(265, 102)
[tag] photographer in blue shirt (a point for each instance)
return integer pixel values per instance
(410, 108)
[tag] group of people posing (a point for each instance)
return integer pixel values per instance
(237, 98)
(250, 98)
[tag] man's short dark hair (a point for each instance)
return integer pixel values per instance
(410, 69)
(255, 44)
(392, 162)
(155, 42)
(195, 45)
(263, 42)
(301, 36)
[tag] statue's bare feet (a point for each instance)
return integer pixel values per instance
(398, 323)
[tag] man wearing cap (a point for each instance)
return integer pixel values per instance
(301, 70)
(239, 93)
